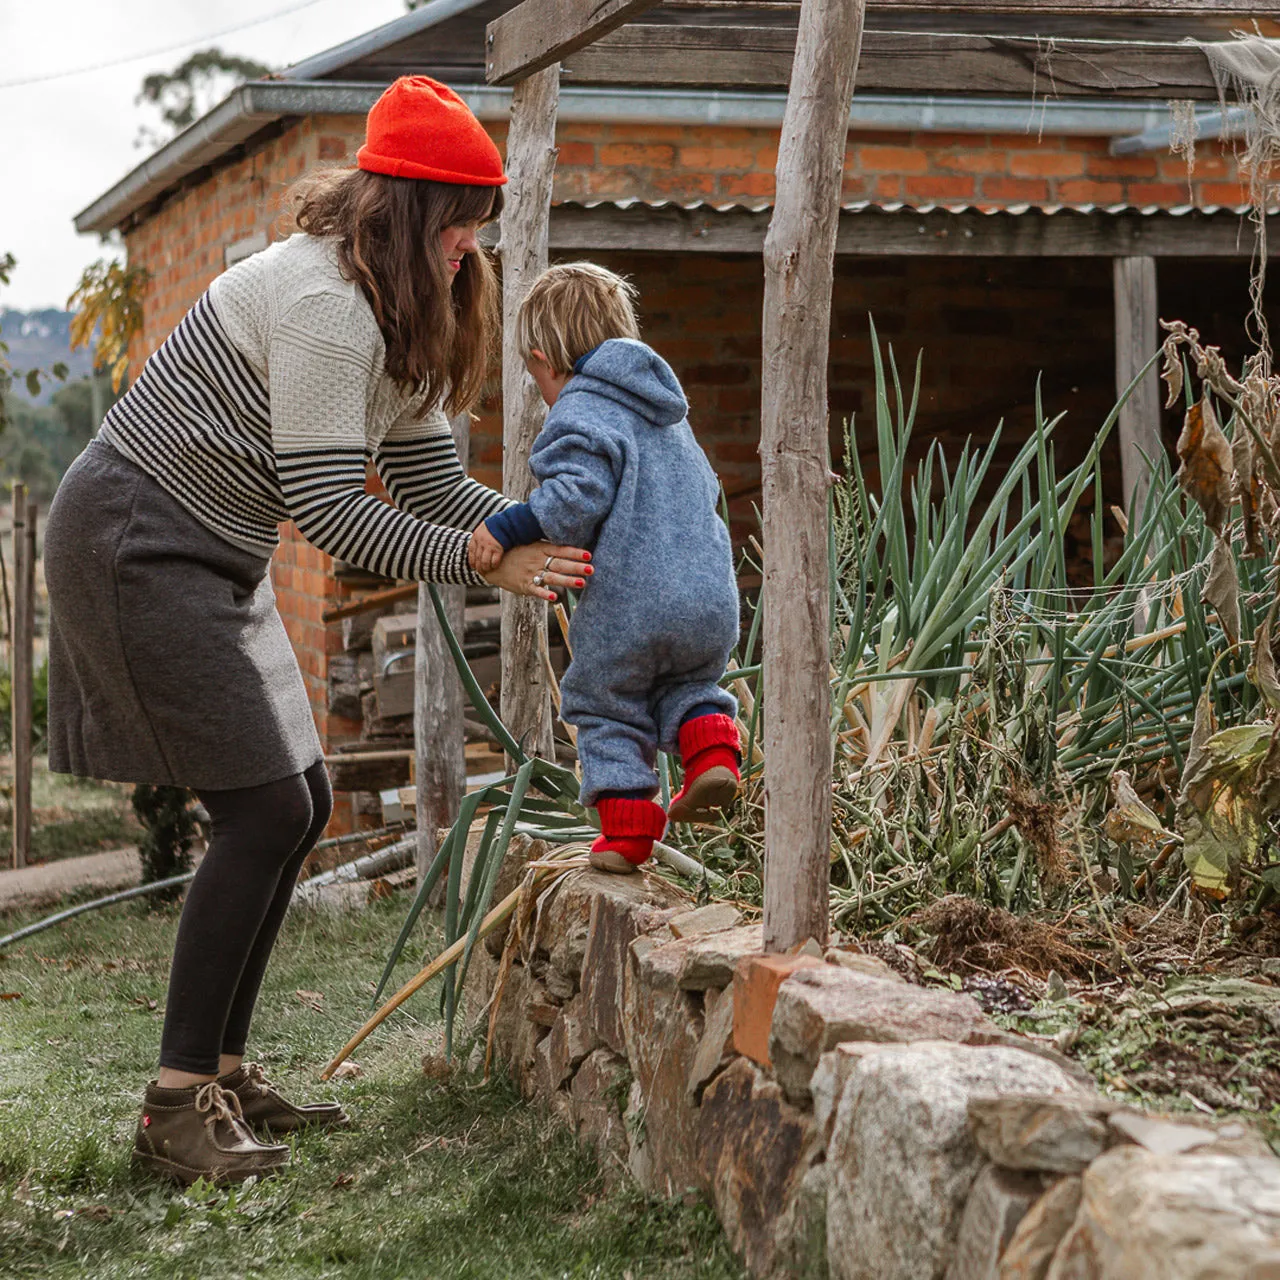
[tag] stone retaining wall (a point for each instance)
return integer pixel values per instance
(844, 1122)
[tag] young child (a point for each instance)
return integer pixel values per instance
(621, 475)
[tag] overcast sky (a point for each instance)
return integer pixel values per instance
(67, 140)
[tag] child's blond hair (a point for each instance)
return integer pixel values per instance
(572, 308)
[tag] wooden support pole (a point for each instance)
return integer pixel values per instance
(21, 668)
(438, 733)
(531, 165)
(1137, 337)
(799, 255)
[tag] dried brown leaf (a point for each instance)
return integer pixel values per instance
(1129, 821)
(1172, 371)
(1222, 588)
(1205, 454)
(1248, 486)
(1262, 672)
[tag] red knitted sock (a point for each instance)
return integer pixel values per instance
(707, 742)
(629, 827)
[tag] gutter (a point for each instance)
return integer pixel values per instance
(261, 103)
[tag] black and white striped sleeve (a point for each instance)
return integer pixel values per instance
(419, 464)
(320, 385)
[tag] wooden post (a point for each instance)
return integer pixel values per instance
(21, 668)
(531, 165)
(795, 469)
(1137, 336)
(438, 736)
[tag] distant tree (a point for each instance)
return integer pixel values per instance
(187, 92)
(108, 304)
(32, 377)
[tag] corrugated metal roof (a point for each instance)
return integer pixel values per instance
(900, 206)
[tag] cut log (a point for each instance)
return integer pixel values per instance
(1137, 337)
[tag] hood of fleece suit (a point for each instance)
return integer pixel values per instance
(637, 377)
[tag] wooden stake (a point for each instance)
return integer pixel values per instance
(531, 164)
(439, 737)
(795, 470)
(21, 669)
(1137, 336)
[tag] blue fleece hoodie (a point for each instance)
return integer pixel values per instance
(621, 474)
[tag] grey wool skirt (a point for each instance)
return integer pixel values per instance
(168, 661)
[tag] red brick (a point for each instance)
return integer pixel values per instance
(1229, 193)
(1014, 190)
(892, 160)
(973, 162)
(930, 187)
(1162, 193)
(331, 148)
(755, 992)
(636, 154)
(1045, 164)
(750, 184)
(1107, 166)
(571, 153)
(1085, 191)
(716, 158)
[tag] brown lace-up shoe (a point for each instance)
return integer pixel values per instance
(198, 1132)
(266, 1111)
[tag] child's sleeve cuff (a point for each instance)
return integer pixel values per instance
(516, 526)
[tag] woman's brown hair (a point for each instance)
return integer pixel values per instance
(439, 332)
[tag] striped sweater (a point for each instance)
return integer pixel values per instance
(266, 402)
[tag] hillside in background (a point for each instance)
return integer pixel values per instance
(39, 340)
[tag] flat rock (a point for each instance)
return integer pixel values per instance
(614, 923)
(713, 918)
(819, 1007)
(711, 958)
(859, 962)
(830, 1076)
(902, 1155)
(999, 1200)
(1058, 1133)
(572, 1039)
(662, 1029)
(1163, 1136)
(597, 1099)
(755, 1149)
(1037, 1237)
(716, 1046)
(1186, 1217)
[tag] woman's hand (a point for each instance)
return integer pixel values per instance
(539, 568)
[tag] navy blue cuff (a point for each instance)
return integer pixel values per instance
(585, 356)
(515, 526)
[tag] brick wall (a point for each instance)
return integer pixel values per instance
(987, 327)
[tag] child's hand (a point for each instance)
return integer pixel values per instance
(484, 552)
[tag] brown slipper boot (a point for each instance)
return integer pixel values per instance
(198, 1132)
(265, 1111)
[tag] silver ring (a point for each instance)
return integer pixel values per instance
(546, 567)
(540, 578)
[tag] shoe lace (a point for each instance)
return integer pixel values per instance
(220, 1103)
(256, 1075)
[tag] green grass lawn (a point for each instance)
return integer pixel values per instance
(70, 816)
(434, 1180)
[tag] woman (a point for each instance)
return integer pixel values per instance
(168, 660)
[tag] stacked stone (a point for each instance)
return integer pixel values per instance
(847, 1123)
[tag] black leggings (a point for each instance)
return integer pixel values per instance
(233, 911)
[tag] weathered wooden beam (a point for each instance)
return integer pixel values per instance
(795, 472)
(1137, 337)
(531, 165)
(536, 34)
(760, 57)
(439, 736)
(874, 232)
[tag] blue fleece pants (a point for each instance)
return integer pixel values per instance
(627, 706)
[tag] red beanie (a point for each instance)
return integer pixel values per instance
(420, 128)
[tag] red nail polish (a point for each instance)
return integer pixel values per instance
(578, 582)
(586, 555)
(588, 571)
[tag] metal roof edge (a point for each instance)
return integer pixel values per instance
(424, 17)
